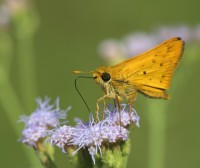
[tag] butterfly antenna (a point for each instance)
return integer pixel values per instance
(75, 83)
(78, 72)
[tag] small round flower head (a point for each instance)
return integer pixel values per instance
(124, 115)
(197, 33)
(4, 16)
(39, 122)
(17, 5)
(111, 50)
(138, 43)
(114, 133)
(87, 134)
(61, 136)
(32, 135)
(182, 31)
(46, 115)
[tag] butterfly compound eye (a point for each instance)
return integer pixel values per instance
(105, 76)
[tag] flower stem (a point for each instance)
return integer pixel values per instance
(13, 110)
(81, 159)
(8, 98)
(26, 23)
(45, 154)
(115, 156)
(157, 127)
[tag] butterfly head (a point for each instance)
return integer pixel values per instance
(102, 75)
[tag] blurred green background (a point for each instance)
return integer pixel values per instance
(67, 39)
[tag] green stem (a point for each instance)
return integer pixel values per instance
(8, 98)
(45, 153)
(81, 159)
(27, 72)
(157, 110)
(26, 23)
(6, 50)
(157, 131)
(13, 110)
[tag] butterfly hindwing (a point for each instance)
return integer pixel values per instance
(150, 73)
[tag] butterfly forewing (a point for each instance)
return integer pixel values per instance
(150, 73)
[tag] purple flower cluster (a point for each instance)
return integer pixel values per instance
(40, 121)
(44, 125)
(92, 135)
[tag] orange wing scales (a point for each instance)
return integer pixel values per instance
(150, 73)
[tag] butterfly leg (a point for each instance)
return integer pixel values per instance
(97, 105)
(130, 111)
(104, 108)
(115, 104)
(130, 107)
(97, 112)
(119, 108)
